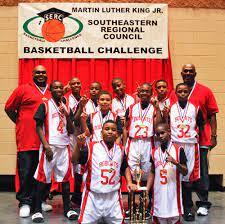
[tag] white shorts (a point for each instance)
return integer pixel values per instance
(193, 161)
(60, 164)
(139, 149)
(171, 220)
(96, 206)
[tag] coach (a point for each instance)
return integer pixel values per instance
(204, 97)
(20, 108)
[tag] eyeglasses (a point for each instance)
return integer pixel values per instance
(188, 70)
(40, 72)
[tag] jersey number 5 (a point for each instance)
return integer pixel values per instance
(163, 176)
(107, 176)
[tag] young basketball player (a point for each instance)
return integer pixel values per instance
(95, 121)
(105, 161)
(186, 121)
(53, 124)
(122, 100)
(162, 95)
(92, 104)
(141, 118)
(168, 163)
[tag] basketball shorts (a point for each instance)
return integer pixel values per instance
(139, 150)
(193, 161)
(96, 206)
(60, 164)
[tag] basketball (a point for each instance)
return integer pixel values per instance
(53, 30)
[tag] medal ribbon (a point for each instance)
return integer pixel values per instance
(163, 158)
(182, 115)
(110, 152)
(142, 117)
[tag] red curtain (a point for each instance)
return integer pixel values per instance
(133, 71)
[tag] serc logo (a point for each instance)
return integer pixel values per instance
(53, 25)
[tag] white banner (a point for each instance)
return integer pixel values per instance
(96, 30)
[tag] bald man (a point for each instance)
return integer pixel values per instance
(20, 108)
(202, 96)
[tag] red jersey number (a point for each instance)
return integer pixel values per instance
(183, 131)
(108, 176)
(142, 131)
(163, 176)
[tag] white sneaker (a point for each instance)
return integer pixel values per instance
(46, 207)
(24, 211)
(37, 217)
(202, 211)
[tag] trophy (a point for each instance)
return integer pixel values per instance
(138, 210)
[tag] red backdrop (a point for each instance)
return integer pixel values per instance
(133, 71)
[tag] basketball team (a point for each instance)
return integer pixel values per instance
(96, 140)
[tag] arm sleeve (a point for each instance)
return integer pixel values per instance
(14, 101)
(200, 120)
(39, 116)
(119, 125)
(89, 125)
(124, 165)
(212, 107)
(127, 114)
(183, 158)
(83, 156)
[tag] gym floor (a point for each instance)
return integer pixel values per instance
(9, 210)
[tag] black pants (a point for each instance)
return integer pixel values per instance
(27, 162)
(77, 194)
(201, 186)
(40, 192)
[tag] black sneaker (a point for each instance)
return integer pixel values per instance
(189, 216)
(127, 215)
(147, 215)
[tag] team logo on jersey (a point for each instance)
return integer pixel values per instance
(53, 25)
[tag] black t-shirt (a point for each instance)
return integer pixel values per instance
(40, 115)
(84, 158)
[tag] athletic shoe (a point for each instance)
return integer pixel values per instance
(71, 215)
(127, 215)
(147, 215)
(37, 217)
(189, 216)
(24, 211)
(46, 207)
(202, 211)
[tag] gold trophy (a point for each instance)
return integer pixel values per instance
(138, 210)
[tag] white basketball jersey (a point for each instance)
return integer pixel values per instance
(141, 121)
(167, 199)
(97, 122)
(164, 103)
(119, 106)
(73, 102)
(103, 167)
(55, 125)
(183, 123)
(90, 107)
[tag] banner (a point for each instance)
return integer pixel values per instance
(96, 30)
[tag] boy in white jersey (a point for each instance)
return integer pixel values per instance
(94, 122)
(168, 163)
(92, 104)
(141, 118)
(54, 124)
(162, 95)
(105, 161)
(75, 100)
(186, 121)
(122, 100)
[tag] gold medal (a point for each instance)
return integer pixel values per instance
(142, 126)
(111, 170)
